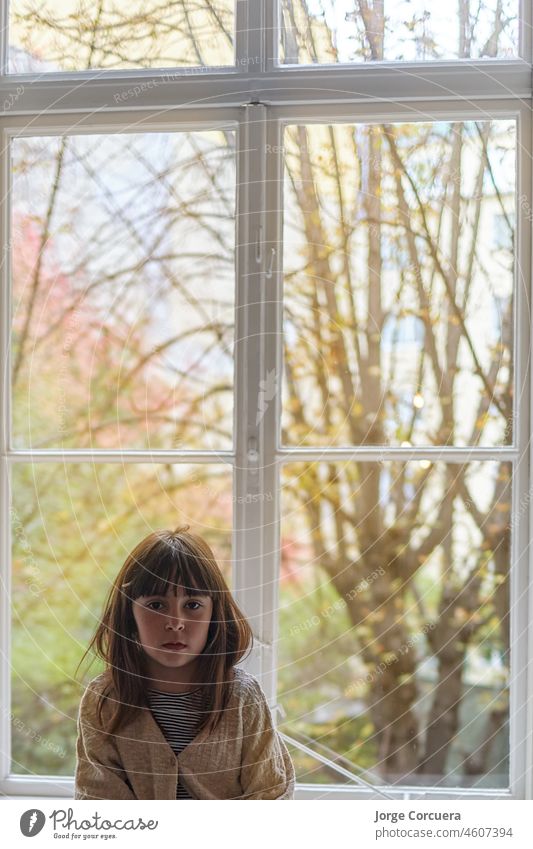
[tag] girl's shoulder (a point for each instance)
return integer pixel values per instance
(246, 685)
(98, 686)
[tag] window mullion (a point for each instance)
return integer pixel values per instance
(248, 578)
(249, 40)
(355, 87)
(525, 39)
(271, 30)
(520, 653)
(269, 398)
(521, 601)
(5, 515)
(4, 36)
(518, 597)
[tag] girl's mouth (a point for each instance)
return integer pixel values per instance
(174, 646)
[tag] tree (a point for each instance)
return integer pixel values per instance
(407, 240)
(122, 337)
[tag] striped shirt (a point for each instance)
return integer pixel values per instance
(177, 715)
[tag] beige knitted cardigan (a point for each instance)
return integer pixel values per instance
(244, 758)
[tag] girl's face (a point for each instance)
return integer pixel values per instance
(172, 630)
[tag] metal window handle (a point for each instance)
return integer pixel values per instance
(259, 252)
(271, 263)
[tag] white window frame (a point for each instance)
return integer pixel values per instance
(258, 100)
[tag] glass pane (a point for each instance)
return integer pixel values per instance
(394, 622)
(330, 31)
(399, 263)
(123, 290)
(75, 35)
(72, 528)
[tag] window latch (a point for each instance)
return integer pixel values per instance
(253, 453)
(271, 263)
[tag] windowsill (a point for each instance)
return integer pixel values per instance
(326, 791)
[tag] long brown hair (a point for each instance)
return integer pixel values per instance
(163, 560)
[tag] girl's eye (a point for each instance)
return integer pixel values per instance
(150, 603)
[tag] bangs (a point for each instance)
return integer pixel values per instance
(165, 568)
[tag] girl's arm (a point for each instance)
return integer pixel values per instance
(99, 774)
(267, 771)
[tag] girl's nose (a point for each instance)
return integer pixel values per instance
(175, 623)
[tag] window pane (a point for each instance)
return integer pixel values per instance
(399, 263)
(330, 31)
(75, 35)
(123, 290)
(72, 528)
(394, 622)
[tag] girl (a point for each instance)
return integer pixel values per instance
(173, 716)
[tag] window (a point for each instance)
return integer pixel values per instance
(331, 31)
(77, 35)
(267, 266)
